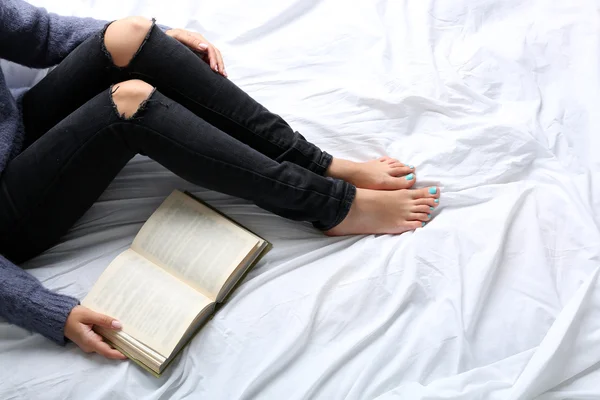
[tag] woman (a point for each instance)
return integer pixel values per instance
(131, 87)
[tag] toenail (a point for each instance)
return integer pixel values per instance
(409, 177)
(422, 224)
(432, 208)
(432, 190)
(411, 167)
(436, 201)
(428, 216)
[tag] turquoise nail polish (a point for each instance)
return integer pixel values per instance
(422, 224)
(409, 177)
(432, 208)
(429, 216)
(432, 190)
(411, 167)
(436, 201)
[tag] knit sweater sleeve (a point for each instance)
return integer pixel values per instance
(25, 302)
(33, 37)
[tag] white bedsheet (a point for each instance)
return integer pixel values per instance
(497, 298)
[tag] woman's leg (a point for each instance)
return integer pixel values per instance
(94, 66)
(45, 189)
(83, 74)
(56, 179)
(139, 47)
(183, 76)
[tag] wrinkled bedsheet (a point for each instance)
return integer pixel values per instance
(497, 298)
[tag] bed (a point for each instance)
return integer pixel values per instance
(498, 297)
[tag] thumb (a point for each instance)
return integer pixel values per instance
(92, 317)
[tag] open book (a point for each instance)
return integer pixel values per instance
(186, 258)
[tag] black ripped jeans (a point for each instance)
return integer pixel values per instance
(196, 123)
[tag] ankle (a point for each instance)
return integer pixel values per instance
(339, 168)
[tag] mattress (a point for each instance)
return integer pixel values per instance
(496, 298)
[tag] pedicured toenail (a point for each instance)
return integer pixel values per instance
(411, 167)
(432, 190)
(422, 224)
(409, 177)
(432, 208)
(429, 216)
(436, 201)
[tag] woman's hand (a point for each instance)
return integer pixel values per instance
(195, 41)
(78, 329)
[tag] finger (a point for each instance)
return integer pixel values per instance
(195, 41)
(86, 340)
(92, 317)
(220, 63)
(105, 350)
(212, 57)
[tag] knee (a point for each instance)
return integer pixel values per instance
(129, 95)
(124, 37)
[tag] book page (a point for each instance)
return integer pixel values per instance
(194, 243)
(154, 307)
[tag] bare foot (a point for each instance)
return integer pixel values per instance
(384, 173)
(394, 211)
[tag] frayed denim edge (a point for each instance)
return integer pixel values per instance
(140, 109)
(144, 41)
(107, 53)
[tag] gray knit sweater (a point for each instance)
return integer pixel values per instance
(34, 38)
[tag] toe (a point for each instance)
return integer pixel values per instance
(400, 171)
(423, 217)
(396, 183)
(423, 209)
(432, 192)
(383, 159)
(402, 165)
(412, 225)
(427, 201)
(408, 181)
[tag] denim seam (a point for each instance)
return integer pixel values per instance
(67, 163)
(314, 166)
(214, 110)
(310, 159)
(211, 109)
(241, 168)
